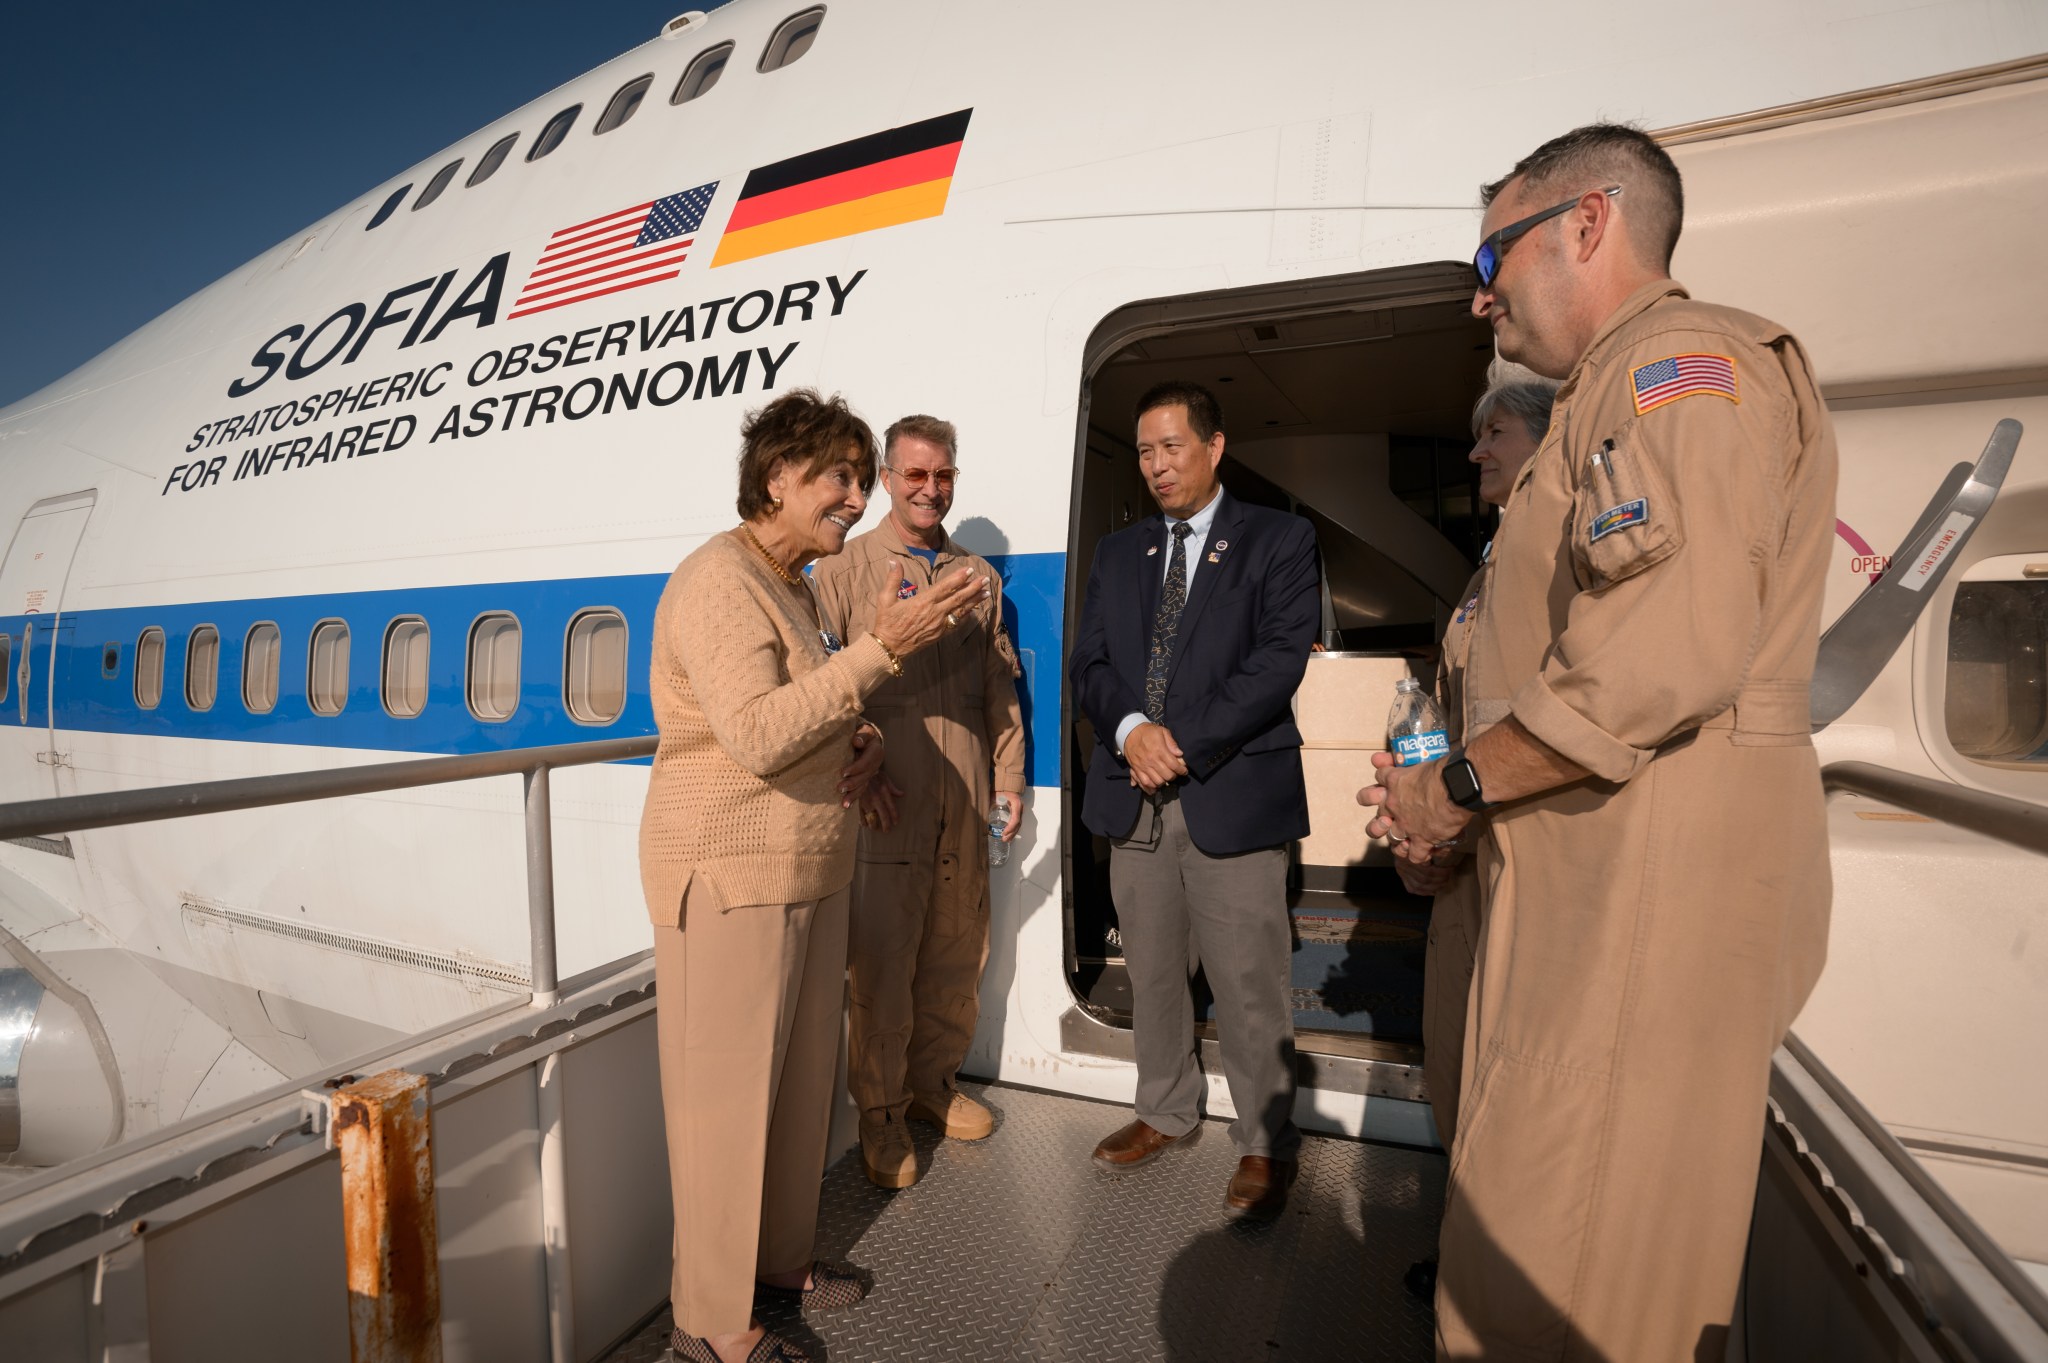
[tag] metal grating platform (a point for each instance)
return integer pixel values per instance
(1017, 1248)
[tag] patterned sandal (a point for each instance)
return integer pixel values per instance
(773, 1348)
(833, 1286)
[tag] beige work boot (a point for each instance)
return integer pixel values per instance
(953, 1112)
(887, 1155)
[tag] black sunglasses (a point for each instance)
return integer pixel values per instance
(1486, 261)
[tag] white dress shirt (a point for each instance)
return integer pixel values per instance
(1197, 540)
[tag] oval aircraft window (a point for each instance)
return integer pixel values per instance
(437, 184)
(1996, 693)
(624, 104)
(594, 672)
(494, 667)
(702, 73)
(792, 39)
(405, 667)
(202, 667)
(327, 668)
(149, 668)
(492, 159)
(260, 651)
(551, 136)
(390, 206)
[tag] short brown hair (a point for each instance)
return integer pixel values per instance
(808, 432)
(918, 426)
(1602, 154)
(1205, 413)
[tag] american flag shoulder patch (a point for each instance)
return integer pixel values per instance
(1683, 376)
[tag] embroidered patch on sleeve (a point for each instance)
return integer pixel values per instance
(1683, 376)
(1619, 518)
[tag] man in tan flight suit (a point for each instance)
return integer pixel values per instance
(954, 736)
(1655, 855)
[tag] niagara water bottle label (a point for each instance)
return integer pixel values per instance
(1415, 730)
(1413, 748)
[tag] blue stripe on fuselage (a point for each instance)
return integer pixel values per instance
(89, 701)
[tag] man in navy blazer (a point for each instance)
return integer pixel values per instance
(1193, 638)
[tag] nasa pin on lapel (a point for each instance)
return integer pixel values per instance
(1216, 554)
(1150, 550)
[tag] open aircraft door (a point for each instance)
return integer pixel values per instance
(32, 583)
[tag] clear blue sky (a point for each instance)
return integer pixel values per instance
(150, 149)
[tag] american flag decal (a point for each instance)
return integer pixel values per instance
(644, 244)
(1681, 376)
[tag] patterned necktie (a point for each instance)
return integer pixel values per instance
(1166, 625)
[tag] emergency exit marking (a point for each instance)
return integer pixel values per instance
(1874, 564)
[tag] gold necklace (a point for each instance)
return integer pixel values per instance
(773, 562)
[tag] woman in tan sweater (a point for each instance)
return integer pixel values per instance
(746, 852)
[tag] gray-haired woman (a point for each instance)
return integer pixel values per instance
(1508, 424)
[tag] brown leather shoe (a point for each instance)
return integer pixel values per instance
(1258, 1190)
(1130, 1146)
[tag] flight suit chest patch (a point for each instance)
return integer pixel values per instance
(1683, 376)
(1616, 518)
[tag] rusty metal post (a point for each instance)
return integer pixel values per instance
(383, 1127)
(540, 886)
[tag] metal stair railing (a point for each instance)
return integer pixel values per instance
(76, 813)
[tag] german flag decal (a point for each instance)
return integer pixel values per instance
(877, 181)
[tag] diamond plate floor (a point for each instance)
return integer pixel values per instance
(1016, 1248)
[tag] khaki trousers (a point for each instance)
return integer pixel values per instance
(1446, 992)
(1644, 950)
(750, 1000)
(919, 940)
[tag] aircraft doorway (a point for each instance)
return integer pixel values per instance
(1348, 402)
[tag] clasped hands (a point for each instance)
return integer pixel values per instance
(1415, 810)
(1154, 758)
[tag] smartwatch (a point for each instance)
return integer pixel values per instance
(1461, 782)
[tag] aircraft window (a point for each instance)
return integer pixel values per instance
(202, 667)
(149, 668)
(390, 206)
(594, 673)
(494, 667)
(260, 652)
(327, 668)
(441, 180)
(6, 671)
(551, 136)
(405, 667)
(492, 159)
(624, 104)
(792, 39)
(1996, 696)
(702, 73)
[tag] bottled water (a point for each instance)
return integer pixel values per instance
(1415, 731)
(998, 850)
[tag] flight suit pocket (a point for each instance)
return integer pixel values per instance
(1624, 517)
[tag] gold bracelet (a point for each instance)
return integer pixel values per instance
(895, 663)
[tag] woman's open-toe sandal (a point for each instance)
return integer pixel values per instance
(833, 1286)
(772, 1348)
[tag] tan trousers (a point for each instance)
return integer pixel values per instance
(1644, 950)
(919, 940)
(1446, 990)
(748, 1020)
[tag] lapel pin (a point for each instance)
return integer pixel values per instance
(1151, 551)
(1214, 558)
(1221, 545)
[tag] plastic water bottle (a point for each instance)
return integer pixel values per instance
(998, 850)
(1415, 730)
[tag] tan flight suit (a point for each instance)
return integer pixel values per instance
(1454, 915)
(1651, 930)
(950, 725)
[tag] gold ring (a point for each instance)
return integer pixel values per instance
(952, 620)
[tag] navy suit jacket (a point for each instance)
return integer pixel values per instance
(1242, 647)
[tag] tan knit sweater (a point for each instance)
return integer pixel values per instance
(756, 724)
